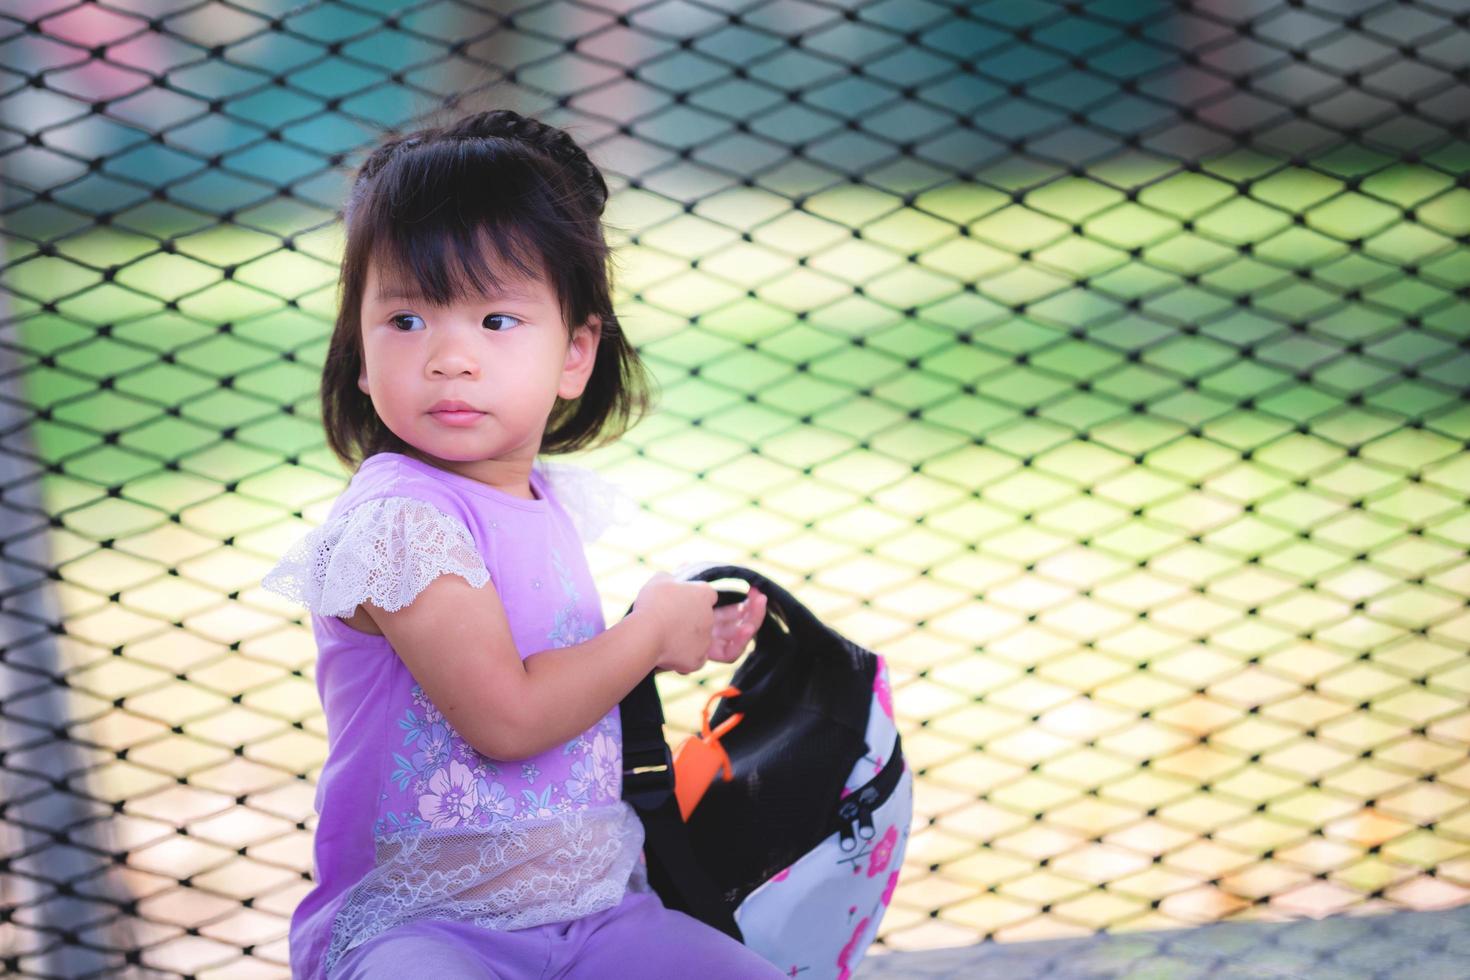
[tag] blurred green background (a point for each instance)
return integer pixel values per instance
(1102, 365)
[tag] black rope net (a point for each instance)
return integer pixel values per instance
(1104, 365)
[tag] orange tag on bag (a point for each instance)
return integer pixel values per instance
(701, 757)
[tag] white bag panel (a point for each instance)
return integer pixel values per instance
(820, 915)
(882, 730)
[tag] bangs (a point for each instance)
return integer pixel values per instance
(454, 221)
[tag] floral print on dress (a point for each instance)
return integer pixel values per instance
(395, 823)
(451, 784)
(494, 801)
(579, 784)
(452, 798)
(446, 783)
(539, 806)
(598, 774)
(434, 748)
(571, 627)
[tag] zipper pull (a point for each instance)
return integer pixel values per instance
(856, 818)
(848, 814)
(866, 800)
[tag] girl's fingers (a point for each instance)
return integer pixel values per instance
(752, 607)
(735, 625)
(744, 615)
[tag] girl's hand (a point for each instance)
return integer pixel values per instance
(735, 625)
(685, 611)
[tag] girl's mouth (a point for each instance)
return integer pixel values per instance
(457, 418)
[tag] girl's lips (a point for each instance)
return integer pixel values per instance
(457, 418)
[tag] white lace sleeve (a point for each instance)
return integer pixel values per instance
(594, 502)
(384, 551)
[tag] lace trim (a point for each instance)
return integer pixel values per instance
(524, 873)
(382, 551)
(593, 502)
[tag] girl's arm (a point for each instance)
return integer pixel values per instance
(457, 644)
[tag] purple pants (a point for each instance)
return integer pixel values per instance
(639, 937)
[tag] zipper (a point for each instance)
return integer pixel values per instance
(854, 816)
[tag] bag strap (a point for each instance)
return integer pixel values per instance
(648, 784)
(785, 606)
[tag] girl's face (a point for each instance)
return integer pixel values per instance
(504, 358)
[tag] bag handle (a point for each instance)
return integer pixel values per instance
(782, 608)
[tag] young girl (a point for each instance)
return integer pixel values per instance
(470, 814)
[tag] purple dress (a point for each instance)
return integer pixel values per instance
(415, 824)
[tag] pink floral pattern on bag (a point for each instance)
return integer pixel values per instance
(845, 971)
(888, 889)
(882, 852)
(882, 690)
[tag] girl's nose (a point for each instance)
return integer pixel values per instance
(450, 359)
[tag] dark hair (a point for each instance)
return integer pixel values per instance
(429, 209)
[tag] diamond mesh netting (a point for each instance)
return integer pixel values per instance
(1104, 365)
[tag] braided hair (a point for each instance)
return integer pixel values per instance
(446, 211)
(505, 124)
(555, 143)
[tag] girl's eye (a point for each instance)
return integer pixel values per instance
(490, 322)
(403, 316)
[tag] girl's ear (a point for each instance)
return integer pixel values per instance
(362, 382)
(581, 356)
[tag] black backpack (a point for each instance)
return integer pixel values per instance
(811, 794)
